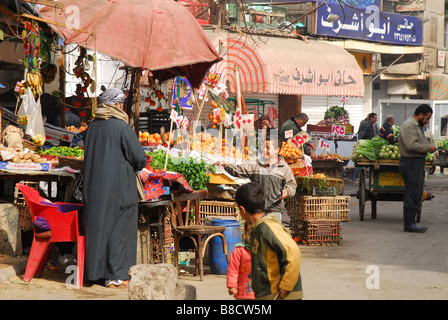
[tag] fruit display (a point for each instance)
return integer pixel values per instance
(288, 150)
(205, 142)
(76, 130)
(147, 138)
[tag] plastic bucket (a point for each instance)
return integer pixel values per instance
(233, 235)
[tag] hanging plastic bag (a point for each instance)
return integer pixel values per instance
(24, 111)
(35, 126)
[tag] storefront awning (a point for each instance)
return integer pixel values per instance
(287, 66)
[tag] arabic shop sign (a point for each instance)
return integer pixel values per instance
(315, 81)
(369, 24)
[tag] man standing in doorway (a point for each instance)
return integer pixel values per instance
(413, 150)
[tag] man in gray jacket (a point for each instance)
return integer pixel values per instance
(413, 150)
(272, 173)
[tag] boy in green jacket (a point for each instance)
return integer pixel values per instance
(275, 256)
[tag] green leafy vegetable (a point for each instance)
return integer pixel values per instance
(195, 171)
(63, 151)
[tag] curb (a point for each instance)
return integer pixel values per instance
(12, 271)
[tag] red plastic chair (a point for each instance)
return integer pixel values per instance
(65, 221)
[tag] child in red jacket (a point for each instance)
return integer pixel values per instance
(239, 269)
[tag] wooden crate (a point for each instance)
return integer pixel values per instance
(218, 209)
(319, 232)
(25, 219)
(319, 207)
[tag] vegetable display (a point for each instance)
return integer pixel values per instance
(63, 151)
(379, 149)
(194, 170)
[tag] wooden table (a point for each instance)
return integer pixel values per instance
(67, 178)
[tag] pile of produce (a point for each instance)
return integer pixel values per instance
(62, 151)
(27, 157)
(442, 144)
(75, 129)
(329, 156)
(288, 150)
(205, 142)
(34, 81)
(194, 171)
(379, 149)
(335, 115)
(389, 152)
(147, 138)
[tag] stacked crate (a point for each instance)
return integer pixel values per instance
(317, 219)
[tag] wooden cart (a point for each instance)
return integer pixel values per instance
(384, 183)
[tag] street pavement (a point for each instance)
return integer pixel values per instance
(376, 260)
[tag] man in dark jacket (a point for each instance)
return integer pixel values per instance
(113, 155)
(294, 125)
(368, 127)
(386, 130)
(367, 130)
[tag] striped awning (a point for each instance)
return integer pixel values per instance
(438, 87)
(287, 66)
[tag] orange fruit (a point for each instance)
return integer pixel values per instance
(157, 136)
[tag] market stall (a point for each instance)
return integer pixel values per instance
(332, 141)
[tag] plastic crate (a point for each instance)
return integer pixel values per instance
(319, 232)
(319, 207)
(153, 120)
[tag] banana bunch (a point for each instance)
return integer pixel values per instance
(34, 81)
(49, 73)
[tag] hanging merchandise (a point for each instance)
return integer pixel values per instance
(35, 125)
(81, 65)
(182, 94)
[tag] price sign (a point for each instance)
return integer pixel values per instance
(323, 144)
(300, 139)
(338, 130)
(173, 114)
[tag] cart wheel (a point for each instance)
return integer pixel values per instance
(362, 195)
(419, 212)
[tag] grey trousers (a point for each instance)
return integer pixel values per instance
(413, 173)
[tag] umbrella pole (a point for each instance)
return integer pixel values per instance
(169, 144)
(137, 103)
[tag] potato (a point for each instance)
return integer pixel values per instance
(35, 157)
(27, 156)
